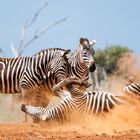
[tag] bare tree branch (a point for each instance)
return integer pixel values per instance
(14, 50)
(28, 23)
(40, 33)
(23, 44)
(2, 52)
(36, 15)
(43, 31)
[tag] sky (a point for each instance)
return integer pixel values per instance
(112, 22)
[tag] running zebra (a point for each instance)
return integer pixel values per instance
(93, 103)
(31, 75)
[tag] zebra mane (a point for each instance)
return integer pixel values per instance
(4, 59)
(48, 49)
(72, 55)
(38, 53)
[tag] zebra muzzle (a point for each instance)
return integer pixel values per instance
(23, 107)
(92, 67)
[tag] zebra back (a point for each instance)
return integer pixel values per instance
(101, 101)
(16, 72)
(132, 89)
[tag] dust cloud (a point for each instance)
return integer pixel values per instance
(121, 119)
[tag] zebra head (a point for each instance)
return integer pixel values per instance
(34, 112)
(87, 53)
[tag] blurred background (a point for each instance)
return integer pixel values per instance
(27, 27)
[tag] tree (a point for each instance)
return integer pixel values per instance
(108, 57)
(106, 63)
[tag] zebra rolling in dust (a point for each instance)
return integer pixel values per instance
(80, 101)
(92, 103)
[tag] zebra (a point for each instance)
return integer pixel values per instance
(92, 102)
(80, 63)
(132, 89)
(25, 74)
(30, 76)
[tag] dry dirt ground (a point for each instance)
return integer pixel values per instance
(122, 123)
(28, 131)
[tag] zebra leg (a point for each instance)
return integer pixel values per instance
(63, 82)
(70, 80)
(29, 97)
(35, 96)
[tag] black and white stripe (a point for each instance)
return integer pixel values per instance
(95, 102)
(132, 89)
(81, 62)
(26, 74)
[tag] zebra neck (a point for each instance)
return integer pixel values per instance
(78, 68)
(79, 96)
(75, 92)
(75, 59)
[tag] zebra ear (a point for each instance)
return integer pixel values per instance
(83, 40)
(93, 42)
(66, 52)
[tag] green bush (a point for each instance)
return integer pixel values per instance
(108, 57)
